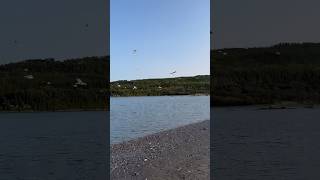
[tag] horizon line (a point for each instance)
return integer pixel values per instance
(267, 46)
(160, 78)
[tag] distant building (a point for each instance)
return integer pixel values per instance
(79, 82)
(29, 76)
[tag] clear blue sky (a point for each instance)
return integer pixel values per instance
(169, 35)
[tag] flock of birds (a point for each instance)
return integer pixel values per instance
(134, 52)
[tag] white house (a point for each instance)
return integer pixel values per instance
(80, 82)
(29, 76)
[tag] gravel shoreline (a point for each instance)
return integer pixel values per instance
(181, 153)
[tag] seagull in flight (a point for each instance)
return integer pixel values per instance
(173, 72)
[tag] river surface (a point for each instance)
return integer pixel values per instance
(133, 117)
(247, 142)
(281, 144)
(53, 146)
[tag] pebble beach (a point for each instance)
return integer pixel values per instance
(180, 153)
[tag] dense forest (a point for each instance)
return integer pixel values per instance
(50, 85)
(158, 87)
(286, 72)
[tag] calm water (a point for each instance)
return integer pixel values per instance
(247, 143)
(266, 144)
(53, 146)
(133, 117)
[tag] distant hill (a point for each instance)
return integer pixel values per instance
(266, 75)
(159, 87)
(286, 72)
(49, 85)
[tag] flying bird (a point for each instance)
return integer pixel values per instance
(173, 72)
(134, 52)
(87, 25)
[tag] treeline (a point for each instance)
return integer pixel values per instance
(159, 87)
(286, 72)
(50, 85)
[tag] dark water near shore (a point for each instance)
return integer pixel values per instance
(52, 146)
(133, 117)
(266, 144)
